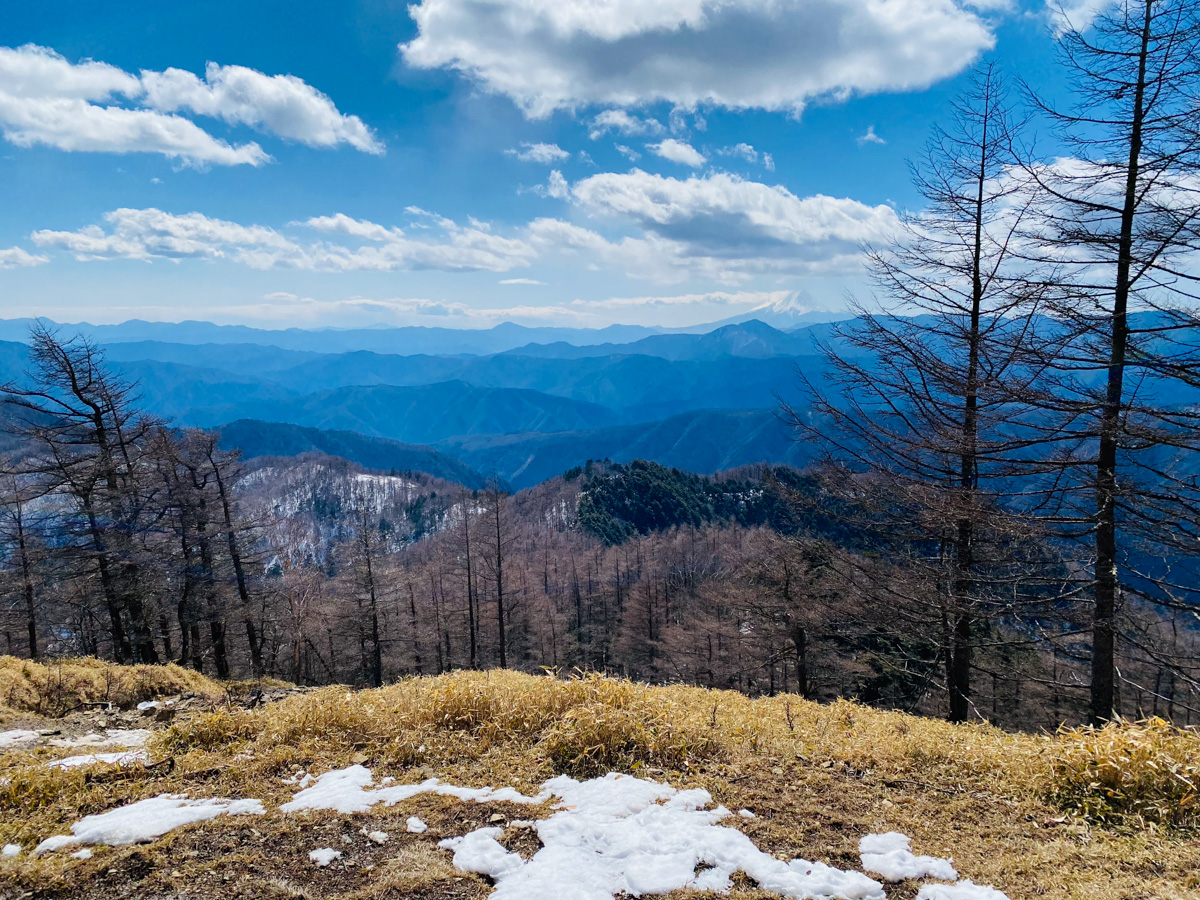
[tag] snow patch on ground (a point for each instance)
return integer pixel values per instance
(415, 826)
(146, 820)
(123, 758)
(117, 737)
(16, 736)
(11, 850)
(85, 853)
(622, 835)
(891, 856)
(324, 856)
(964, 890)
(351, 790)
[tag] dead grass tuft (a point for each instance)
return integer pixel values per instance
(1129, 774)
(56, 688)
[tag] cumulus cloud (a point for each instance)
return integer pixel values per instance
(620, 121)
(539, 153)
(870, 137)
(723, 216)
(46, 99)
(1075, 15)
(678, 151)
(718, 227)
(745, 151)
(770, 54)
(147, 234)
(282, 105)
(16, 258)
(556, 186)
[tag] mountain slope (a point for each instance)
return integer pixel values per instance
(752, 339)
(257, 358)
(255, 439)
(702, 441)
(421, 414)
(640, 387)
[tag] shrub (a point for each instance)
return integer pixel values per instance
(57, 687)
(1129, 774)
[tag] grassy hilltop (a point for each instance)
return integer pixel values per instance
(1100, 815)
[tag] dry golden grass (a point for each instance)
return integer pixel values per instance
(1129, 774)
(818, 778)
(62, 685)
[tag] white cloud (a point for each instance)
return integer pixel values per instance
(620, 121)
(726, 217)
(539, 153)
(527, 281)
(282, 105)
(769, 54)
(16, 258)
(146, 234)
(363, 311)
(748, 299)
(718, 227)
(628, 152)
(870, 137)
(768, 162)
(556, 186)
(45, 99)
(1075, 15)
(745, 151)
(678, 151)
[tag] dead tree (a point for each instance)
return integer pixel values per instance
(1120, 218)
(919, 401)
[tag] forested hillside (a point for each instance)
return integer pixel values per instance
(132, 540)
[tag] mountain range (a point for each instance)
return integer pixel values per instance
(519, 403)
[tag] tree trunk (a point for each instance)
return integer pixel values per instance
(1107, 579)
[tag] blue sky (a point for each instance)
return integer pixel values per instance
(464, 162)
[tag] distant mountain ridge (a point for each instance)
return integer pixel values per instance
(403, 340)
(256, 439)
(752, 339)
(420, 414)
(703, 441)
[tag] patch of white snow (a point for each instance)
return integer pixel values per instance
(11, 850)
(146, 820)
(324, 856)
(85, 853)
(122, 758)
(622, 835)
(351, 790)
(16, 736)
(415, 826)
(480, 852)
(117, 737)
(891, 856)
